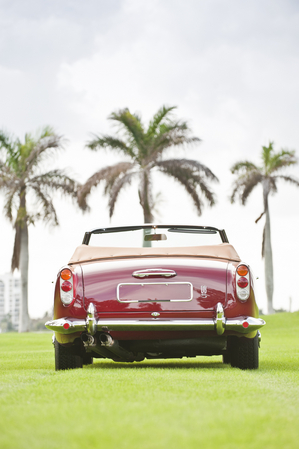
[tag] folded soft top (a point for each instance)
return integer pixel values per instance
(86, 253)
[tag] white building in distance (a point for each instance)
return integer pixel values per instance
(10, 300)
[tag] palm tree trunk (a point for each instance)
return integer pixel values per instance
(267, 252)
(145, 203)
(20, 260)
(24, 320)
(144, 199)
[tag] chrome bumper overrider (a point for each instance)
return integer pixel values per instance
(220, 324)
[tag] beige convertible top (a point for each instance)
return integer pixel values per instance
(86, 253)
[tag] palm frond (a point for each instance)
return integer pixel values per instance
(170, 135)
(10, 184)
(8, 176)
(273, 186)
(108, 174)
(168, 140)
(235, 191)
(266, 157)
(48, 212)
(115, 189)
(244, 185)
(208, 194)
(282, 159)
(243, 166)
(290, 179)
(251, 183)
(190, 178)
(111, 143)
(9, 203)
(133, 128)
(6, 142)
(46, 131)
(162, 113)
(49, 142)
(55, 180)
(196, 166)
(9, 147)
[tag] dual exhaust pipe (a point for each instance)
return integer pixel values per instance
(107, 347)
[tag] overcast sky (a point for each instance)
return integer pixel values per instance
(230, 67)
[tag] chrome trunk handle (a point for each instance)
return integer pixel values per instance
(154, 272)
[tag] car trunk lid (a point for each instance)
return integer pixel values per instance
(160, 284)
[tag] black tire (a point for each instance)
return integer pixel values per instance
(87, 359)
(226, 357)
(245, 353)
(64, 359)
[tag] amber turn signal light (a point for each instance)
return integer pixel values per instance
(242, 270)
(66, 274)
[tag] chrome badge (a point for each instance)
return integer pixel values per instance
(204, 291)
(155, 314)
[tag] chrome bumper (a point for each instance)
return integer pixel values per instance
(91, 325)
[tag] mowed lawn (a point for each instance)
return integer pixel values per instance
(189, 403)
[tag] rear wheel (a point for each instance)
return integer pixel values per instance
(64, 359)
(245, 352)
(226, 358)
(87, 359)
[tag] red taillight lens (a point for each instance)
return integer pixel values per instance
(66, 286)
(242, 282)
(66, 274)
(242, 270)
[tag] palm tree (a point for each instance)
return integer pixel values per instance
(249, 176)
(21, 179)
(145, 148)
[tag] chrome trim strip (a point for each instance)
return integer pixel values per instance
(74, 325)
(91, 324)
(154, 272)
(157, 324)
(142, 284)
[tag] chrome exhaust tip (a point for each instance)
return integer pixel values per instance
(106, 340)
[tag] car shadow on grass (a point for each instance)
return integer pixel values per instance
(265, 367)
(158, 365)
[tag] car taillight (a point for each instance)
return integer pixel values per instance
(242, 270)
(66, 274)
(242, 282)
(66, 287)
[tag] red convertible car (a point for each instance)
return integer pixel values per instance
(172, 291)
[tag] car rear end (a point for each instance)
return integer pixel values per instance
(129, 304)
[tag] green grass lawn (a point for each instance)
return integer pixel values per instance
(189, 403)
